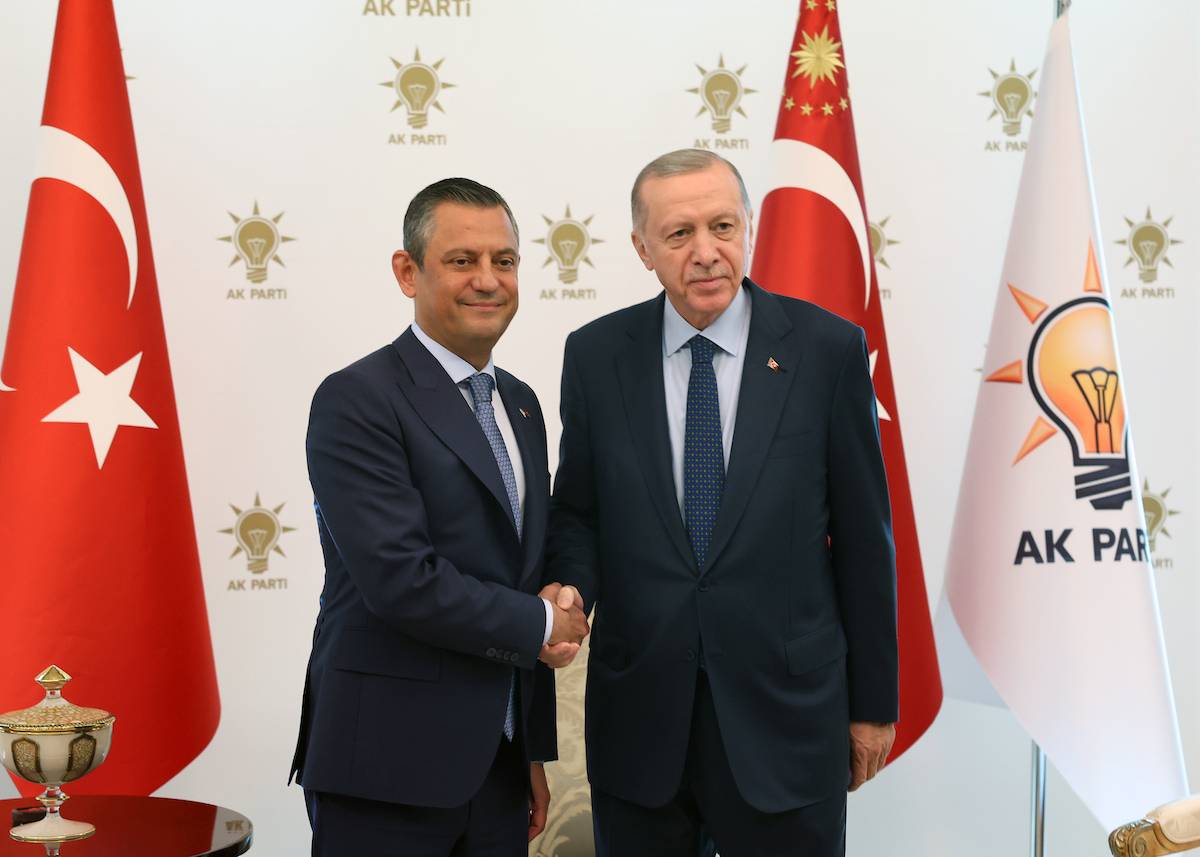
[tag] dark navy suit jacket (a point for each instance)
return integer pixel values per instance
(794, 610)
(430, 597)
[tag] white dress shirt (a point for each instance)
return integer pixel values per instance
(459, 371)
(730, 333)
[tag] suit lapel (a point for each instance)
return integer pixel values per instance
(519, 407)
(640, 370)
(441, 405)
(763, 393)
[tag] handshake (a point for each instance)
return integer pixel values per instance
(570, 625)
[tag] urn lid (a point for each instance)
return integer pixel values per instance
(54, 713)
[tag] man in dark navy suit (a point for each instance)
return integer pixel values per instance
(721, 502)
(426, 714)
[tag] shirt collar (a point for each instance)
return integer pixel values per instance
(726, 332)
(458, 369)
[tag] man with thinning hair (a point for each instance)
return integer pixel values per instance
(720, 501)
(426, 712)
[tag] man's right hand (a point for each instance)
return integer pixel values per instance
(570, 625)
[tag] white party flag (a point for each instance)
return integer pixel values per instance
(1049, 572)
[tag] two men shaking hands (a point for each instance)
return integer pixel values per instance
(719, 508)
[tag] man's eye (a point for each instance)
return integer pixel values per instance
(724, 227)
(460, 262)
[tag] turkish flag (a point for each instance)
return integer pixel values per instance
(96, 535)
(814, 243)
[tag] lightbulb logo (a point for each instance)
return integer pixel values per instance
(1072, 373)
(417, 87)
(721, 92)
(880, 241)
(568, 241)
(256, 240)
(257, 531)
(1157, 513)
(1148, 243)
(1012, 96)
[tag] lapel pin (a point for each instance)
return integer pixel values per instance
(523, 412)
(772, 365)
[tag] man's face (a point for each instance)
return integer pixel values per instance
(694, 238)
(466, 294)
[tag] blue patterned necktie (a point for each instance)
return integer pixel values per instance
(703, 450)
(481, 385)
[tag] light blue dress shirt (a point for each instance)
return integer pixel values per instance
(730, 333)
(459, 371)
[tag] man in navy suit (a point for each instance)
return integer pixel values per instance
(426, 714)
(721, 502)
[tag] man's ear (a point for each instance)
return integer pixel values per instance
(639, 244)
(404, 266)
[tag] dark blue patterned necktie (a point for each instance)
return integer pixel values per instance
(703, 452)
(481, 385)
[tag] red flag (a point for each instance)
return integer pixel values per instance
(814, 243)
(96, 535)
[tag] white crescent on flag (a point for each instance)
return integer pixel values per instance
(793, 163)
(65, 157)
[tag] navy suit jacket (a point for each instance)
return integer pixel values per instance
(430, 597)
(794, 610)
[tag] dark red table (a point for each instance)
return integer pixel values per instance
(140, 827)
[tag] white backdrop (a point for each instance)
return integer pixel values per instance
(557, 103)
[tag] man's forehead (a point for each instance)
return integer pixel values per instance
(452, 220)
(711, 188)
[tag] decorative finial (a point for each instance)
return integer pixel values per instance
(52, 678)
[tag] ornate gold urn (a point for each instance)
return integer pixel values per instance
(52, 743)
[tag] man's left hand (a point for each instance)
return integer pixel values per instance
(539, 801)
(870, 744)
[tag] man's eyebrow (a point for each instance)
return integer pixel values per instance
(466, 251)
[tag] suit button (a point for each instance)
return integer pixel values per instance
(491, 653)
(691, 654)
(704, 586)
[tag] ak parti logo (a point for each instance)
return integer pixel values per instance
(1071, 371)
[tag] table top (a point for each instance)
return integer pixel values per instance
(140, 827)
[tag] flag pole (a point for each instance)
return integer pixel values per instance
(1037, 794)
(1037, 804)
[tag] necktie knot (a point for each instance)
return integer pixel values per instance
(702, 349)
(481, 384)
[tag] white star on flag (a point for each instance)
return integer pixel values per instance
(103, 402)
(883, 412)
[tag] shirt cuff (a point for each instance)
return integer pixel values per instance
(549, 621)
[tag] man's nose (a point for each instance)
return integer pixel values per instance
(487, 279)
(704, 249)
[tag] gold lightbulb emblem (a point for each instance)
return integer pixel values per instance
(1011, 94)
(721, 92)
(1148, 243)
(879, 241)
(417, 87)
(1073, 375)
(257, 531)
(568, 242)
(256, 240)
(1157, 513)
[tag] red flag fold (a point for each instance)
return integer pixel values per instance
(814, 242)
(96, 536)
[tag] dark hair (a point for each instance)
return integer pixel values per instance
(418, 220)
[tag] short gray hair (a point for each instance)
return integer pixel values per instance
(678, 163)
(418, 220)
